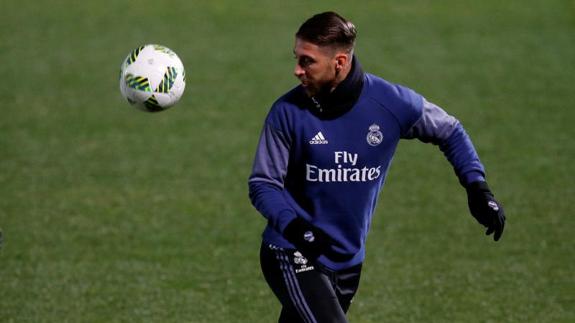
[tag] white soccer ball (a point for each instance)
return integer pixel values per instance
(152, 78)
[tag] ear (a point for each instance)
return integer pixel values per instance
(341, 60)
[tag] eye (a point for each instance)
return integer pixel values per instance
(305, 61)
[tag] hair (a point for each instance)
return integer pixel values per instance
(328, 29)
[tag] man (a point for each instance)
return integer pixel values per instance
(322, 159)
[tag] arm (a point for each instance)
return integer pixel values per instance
(266, 190)
(439, 128)
(266, 182)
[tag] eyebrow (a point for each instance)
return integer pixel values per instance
(304, 56)
(293, 51)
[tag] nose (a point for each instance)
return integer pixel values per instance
(298, 71)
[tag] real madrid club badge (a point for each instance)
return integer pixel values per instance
(299, 259)
(301, 263)
(374, 136)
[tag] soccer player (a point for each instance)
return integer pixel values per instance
(322, 158)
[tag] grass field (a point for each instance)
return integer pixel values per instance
(114, 215)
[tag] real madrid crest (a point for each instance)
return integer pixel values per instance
(301, 263)
(299, 259)
(374, 136)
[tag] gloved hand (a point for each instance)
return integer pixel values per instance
(485, 208)
(311, 241)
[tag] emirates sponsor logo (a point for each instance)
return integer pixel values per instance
(346, 169)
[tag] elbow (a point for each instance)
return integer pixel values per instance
(252, 192)
(455, 137)
(255, 191)
(258, 190)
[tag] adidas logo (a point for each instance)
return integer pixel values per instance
(318, 139)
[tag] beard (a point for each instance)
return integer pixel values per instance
(317, 89)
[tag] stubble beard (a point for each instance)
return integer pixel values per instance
(316, 90)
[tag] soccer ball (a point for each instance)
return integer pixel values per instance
(152, 78)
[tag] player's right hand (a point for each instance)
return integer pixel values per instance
(311, 241)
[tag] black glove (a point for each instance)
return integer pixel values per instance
(312, 241)
(486, 209)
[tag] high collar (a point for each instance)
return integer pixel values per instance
(333, 104)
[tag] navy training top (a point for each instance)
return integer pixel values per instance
(329, 168)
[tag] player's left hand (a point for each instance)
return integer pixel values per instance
(486, 209)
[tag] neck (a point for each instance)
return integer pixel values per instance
(341, 75)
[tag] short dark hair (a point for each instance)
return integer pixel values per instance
(328, 29)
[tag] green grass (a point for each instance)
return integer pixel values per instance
(113, 215)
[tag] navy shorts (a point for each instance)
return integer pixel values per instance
(308, 292)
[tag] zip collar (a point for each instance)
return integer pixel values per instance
(339, 101)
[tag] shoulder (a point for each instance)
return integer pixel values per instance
(404, 103)
(392, 94)
(285, 109)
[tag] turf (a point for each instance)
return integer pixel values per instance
(114, 215)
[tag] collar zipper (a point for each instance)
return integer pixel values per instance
(317, 105)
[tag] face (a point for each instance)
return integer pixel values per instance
(315, 66)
